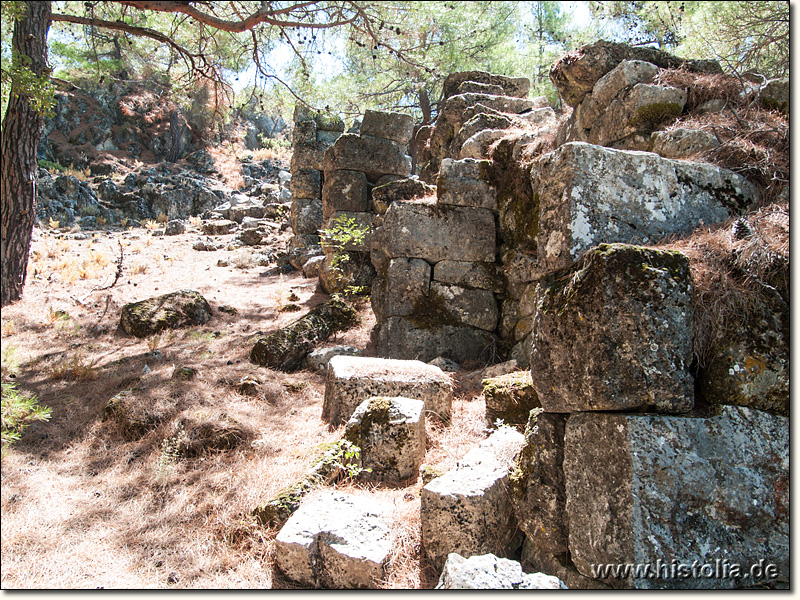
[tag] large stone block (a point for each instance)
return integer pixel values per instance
(673, 492)
(466, 183)
(337, 541)
(626, 74)
(467, 510)
(682, 143)
(306, 183)
(344, 190)
(403, 287)
(419, 338)
(538, 491)
(351, 380)
(390, 432)
(614, 332)
(372, 155)
(422, 229)
(590, 195)
(472, 275)
(510, 398)
(456, 106)
(169, 311)
(306, 215)
(455, 305)
(308, 156)
(488, 572)
(393, 126)
(517, 87)
(409, 188)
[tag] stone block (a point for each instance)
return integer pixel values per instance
(471, 275)
(393, 126)
(372, 155)
(398, 190)
(590, 195)
(306, 215)
(614, 332)
(775, 95)
(625, 75)
(473, 87)
(306, 183)
(328, 137)
(351, 380)
(481, 122)
(651, 489)
(308, 156)
(454, 305)
(337, 541)
(478, 146)
(304, 132)
(682, 143)
(488, 572)
(422, 229)
(418, 338)
(466, 183)
(510, 398)
(401, 289)
(517, 87)
(317, 360)
(538, 490)
(467, 510)
(345, 190)
(346, 270)
(218, 227)
(456, 106)
(390, 431)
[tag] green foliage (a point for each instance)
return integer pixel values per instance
(343, 232)
(347, 460)
(19, 410)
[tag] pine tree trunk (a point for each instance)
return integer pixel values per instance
(22, 128)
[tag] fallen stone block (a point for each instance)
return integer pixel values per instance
(351, 380)
(614, 332)
(183, 308)
(488, 572)
(390, 433)
(336, 541)
(589, 195)
(286, 348)
(218, 227)
(669, 491)
(467, 510)
(393, 126)
(510, 398)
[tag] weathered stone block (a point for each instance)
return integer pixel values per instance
(308, 156)
(306, 183)
(345, 190)
(590, 195)
(456, 106)
(488, 572)
(409, 188)
(466, 183)
(371, 155)
(318, 359)
(538, 490)
(422, 229)
(614, 332)
(455, 305)
(478, 146)
(401, 289)
(346, 270)
(653, 489)
(510, 398)
(390, 431)
(775, 95)
(306, 215)
(337, 541)
(472, 275)
(467, 510)
(419, 338)
(473, 87)
(626, 74)
(393, 126)
(517, 87)
(351, 380)
(682, 143)
(304, 132)
(169, 311)
(481, 122)
(218, 227)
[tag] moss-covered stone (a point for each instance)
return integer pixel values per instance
(170, 311)
(286, 348)
(510, 398)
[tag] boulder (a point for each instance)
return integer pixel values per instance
(538, 491)
(575, 74)
(614, 332)
(393, 126)
(488, 572)
(175, 310)
(312, 266)
(351, 380)
(590, 195)
(175, 227)
(390, 433)
(372, 155)
(466, 183)
(670, 492)
(775, 95)
(409, 188)
(286, 348)
(682, 142)
(250, 237)
(218, 227)
(317, 360)
(510, 398)
(336, 541)
(467, 510)
(345, 191)
(424, 339)
(422, 229)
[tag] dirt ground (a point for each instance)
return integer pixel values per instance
(88, 504)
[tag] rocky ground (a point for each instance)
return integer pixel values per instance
(88, 501)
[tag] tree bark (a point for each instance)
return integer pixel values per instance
(22, 128)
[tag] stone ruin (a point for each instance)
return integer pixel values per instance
(619, 464)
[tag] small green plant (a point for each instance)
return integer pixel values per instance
(170, 454)
(348, 460)
(51, 166)
(343, 232)
(19, 410)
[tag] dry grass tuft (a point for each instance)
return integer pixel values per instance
(227, 164)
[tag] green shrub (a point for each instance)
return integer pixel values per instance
(19, 410)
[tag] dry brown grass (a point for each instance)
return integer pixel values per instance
(89, 501)
(227, 163)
